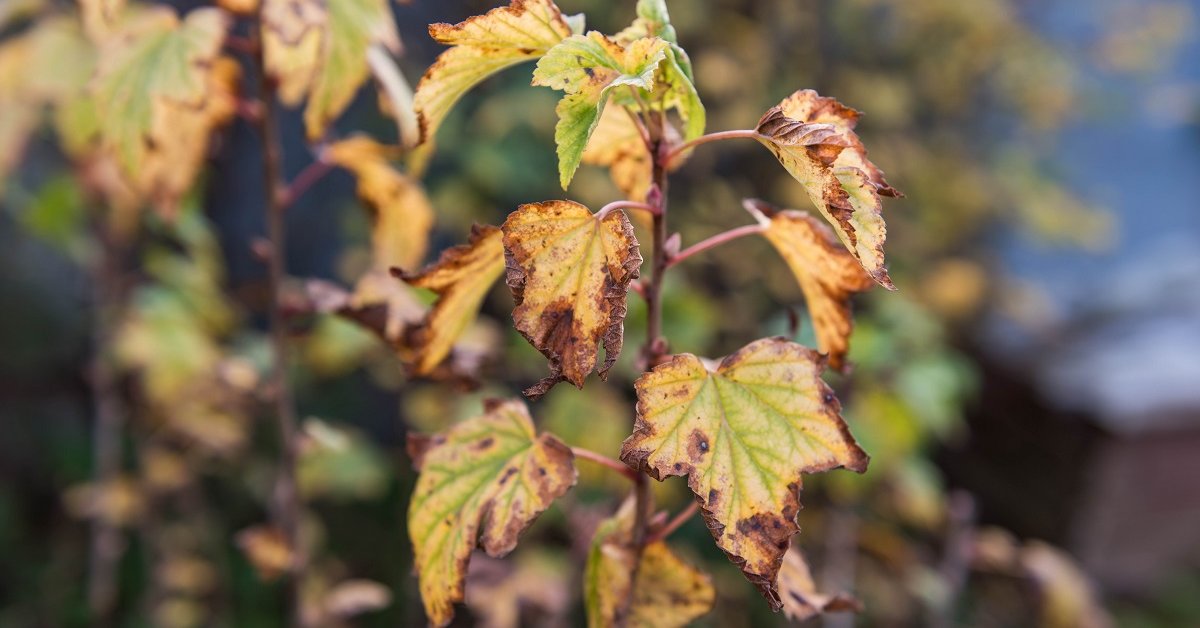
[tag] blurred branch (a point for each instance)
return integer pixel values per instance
(705, 139)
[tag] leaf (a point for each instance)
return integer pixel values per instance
(827, 273)
(318, 50)
(154, 62)
(617, 145)
(569, 271)
(667, 592)
(267, 550)
(461, 277)
(486, 478)
(483, 45)
(743, 432)
(675, 82)
(586, 68)
(801, 600)
(402, 215)
(813, 137)
(100, 17)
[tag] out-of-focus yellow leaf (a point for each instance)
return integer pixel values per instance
(353, 27)
(154, 62)
(569, 271)
(813, 137)
(743, 432)
(531, 587)
(267, 550)
(402, 215)
(586, 68)
(293, 36)
(461, 277)
(667, 592)
(338, 462)
(482, 481)
(118, 502)
(827, 273)
(1068, 600)
(482, 46)
(241, 7)
(801, 600)
(100, 17)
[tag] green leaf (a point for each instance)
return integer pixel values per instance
(743, 431)
(482, 481)
(587, 68)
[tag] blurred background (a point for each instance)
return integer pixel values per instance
(1030, 396)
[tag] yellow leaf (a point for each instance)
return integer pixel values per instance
(267, 550)
(483, 480)
(801, 600)
(402, 214)
(813, 137)
(617, 145)
(154, 59)
(100, 17)
(569, 271)
(293, 36)
(668, 591)
(241, 7)
(743, 431)
(827, 273)
(461, 277)
(483, 45)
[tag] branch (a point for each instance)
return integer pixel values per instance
(615, 205)
(605, 461)
(311, 174)
(671, 156)
(715, 241)
(675, 523)
(286, 494)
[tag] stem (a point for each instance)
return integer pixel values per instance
(715, 241)
(675, 523)
(605, 461)
(106, 435)
(287, 498)
(956, 558)
(705, 139)
(615, 205)
(311, 174)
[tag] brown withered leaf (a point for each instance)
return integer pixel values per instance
(402, 215)
(461, 277)
(483, 481)
(668, 592)
(801, 600)
(483, 45)
(813, 137)
(827, 273)
(743, 431)
(569, 272)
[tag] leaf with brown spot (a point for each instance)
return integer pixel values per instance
(743, 432)
(827, 273)
(461, 277)
(801, 600)
(569, 272)
(483, 45)
(482, 482)
(813, 137)
(402, 215)
(668, 591)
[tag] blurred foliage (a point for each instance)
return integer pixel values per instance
(963, 101)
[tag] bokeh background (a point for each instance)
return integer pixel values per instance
(1030, 396)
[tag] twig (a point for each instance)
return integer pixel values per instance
(286, 494)
(106, 435)
(955, 564)
(605, 461)
(615, 205)
(715, 241)
(311, 174)
(675, 523)
(705, 139)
